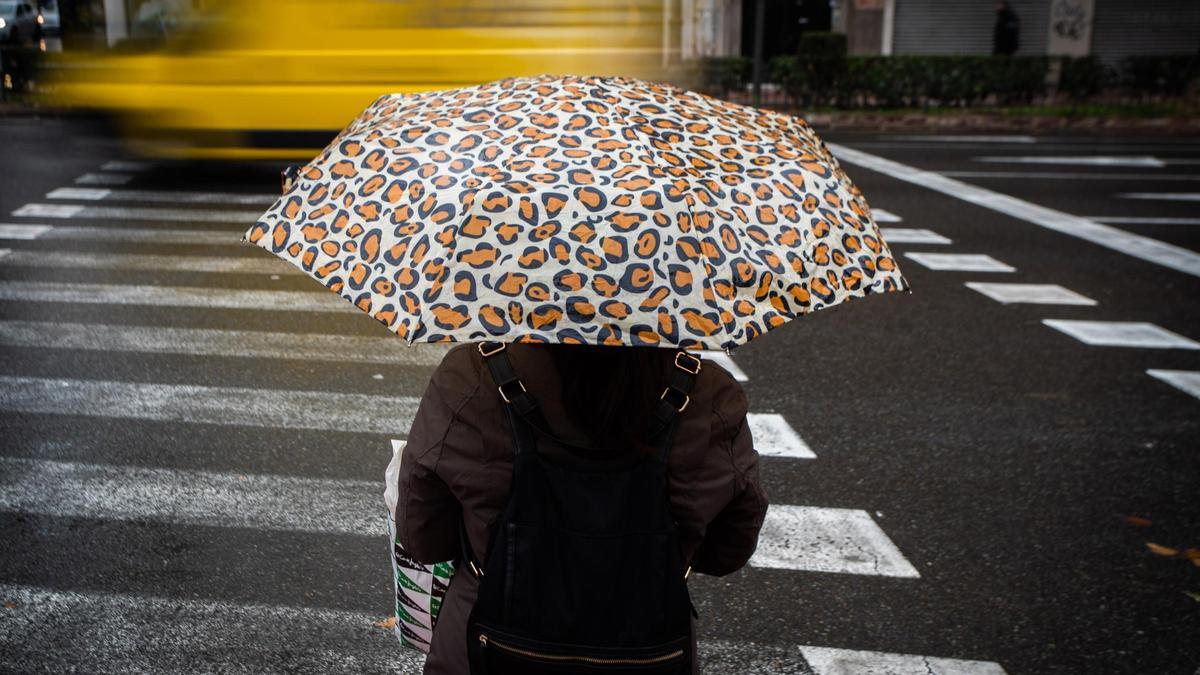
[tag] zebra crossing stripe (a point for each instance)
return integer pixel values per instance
(1078, 160)
(104, 179)
(802, 538)
(233, 406)
(1042, 294)
(959, 262)
(257, 264)
(228, 343)
(1163, 196)
(909, 235)
(168, 196)
(817, 539)
(885, 216)
(1187, 381)
(136, 213)
(1121, 334)
(122, 234)
(722, 359)
(829, 661)
(264, 502)
(131, 166)
(175, 296)
(774, 437)
(127, 633)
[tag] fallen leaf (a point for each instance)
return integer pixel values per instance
(1193, 554)
(1137, 520)
(388, 623)
(1161, 550)
(1193, 595)
(9, 604)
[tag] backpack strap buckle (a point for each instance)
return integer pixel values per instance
(694, 359)
(485, 352)
(505, 396)
(686, 399)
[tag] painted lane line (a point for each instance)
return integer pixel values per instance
(175, 296)
(829, 661)
(261, 502)
(234, 406)
(130, 633)
(885, 216)
(172, 197)
(225, 343)
(4, 253)
(1077, 160)
(1163, 196)
(1143, 220)
(1121, 334)
(959, 262)
(1187, 381)
(104, 179)
(146, 235)
(1071, 175)
(910, 235)
(774, 437)
(1145, 248)
(1041, 294)
(130, 166)
(815, 539)
(146, 262)
(967, 138)
(138, 633)
(135, 213)
(725, 361)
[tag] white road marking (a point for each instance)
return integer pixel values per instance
(1163, 196)
(814, 539)
(22, 231)
(1145, 248)
(966, 138)
(1187, 381)
(1078, 160)
(4, 252)
(829, 661)
(262, 502)
(960, 262)
(725, 362)
(131, 166)
(1121, 334)
(138, 633)
(147, 235)
(885, 216)
(175, 296)
(1042, 294)
(172, 197)
(104, 179)
(391, 351)
(128, 633)
(910, 235)
(136, 213)
(1145, 220)
(236, 406)
(257, 264)
(774, 437)
(1071, 175)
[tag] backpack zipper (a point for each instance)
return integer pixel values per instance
(484, 641)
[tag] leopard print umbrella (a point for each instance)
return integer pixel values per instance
(595, 210)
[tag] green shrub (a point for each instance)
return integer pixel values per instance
(723, 74)
(1082, 78)
(1157, 76)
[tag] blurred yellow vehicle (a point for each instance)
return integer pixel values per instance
(279, 78)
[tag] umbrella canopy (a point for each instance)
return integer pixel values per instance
(579, 210)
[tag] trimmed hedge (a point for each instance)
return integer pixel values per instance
(819, 77)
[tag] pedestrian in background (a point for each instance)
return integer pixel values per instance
(459, 460)
(1006, 34)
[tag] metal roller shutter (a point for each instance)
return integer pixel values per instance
(1123, 28)
(965, 26)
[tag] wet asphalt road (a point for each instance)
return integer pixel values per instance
(1000, 457)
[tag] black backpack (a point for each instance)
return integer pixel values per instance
(583, 571)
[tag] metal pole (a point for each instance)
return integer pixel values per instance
(759, 11)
